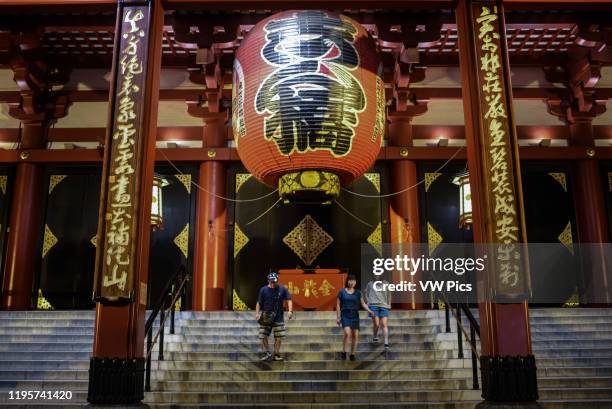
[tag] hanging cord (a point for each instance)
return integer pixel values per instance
(409, 187)
(266, 212)
(214, 194)
(351, 214)
(212, 231)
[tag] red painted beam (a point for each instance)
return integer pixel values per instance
(56, 2)
(419, 93)
(423, 153)
(230, 154)
(301, 4)
(195, 133)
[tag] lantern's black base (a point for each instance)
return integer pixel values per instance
(509, 379)
(116, 381)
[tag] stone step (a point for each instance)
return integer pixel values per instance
(575, 329)
(46, 322)
(302, 331)
(573, 353)
(227, 339)
(403, 384)
(47, 331)
(575, 382)
(556, 312)
(411, 352)
(46, 346)
(298, 344)
(295, 346)
(309, 385)
(569, 371)
(575, 393)
(18, 339)
(546, 376)
(178, 375)
(90, 314)
(255, 386)
(583, 404)
(308, 355)
(541, 335)
(577, 404)
(573, 344)
(59, 374)
(313, 396)
(250, 365)
(595, 319)
(71, 314)
(304, 321)
(364, 337)
(44, 385)
(364, 364)
(47, 365)
(45, 355)
(329, 315)
(580, 404)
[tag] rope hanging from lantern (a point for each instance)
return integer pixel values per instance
(409, 187)
(351, 214)
(229, 199)
(265, 212)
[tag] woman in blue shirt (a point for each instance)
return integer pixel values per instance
(347, 312)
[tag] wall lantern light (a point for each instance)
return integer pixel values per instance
(156, 203)
(465, 199)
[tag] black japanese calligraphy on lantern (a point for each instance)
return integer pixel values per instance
(312, 100)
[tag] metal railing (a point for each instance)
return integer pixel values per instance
(174, 289)
(462, 332)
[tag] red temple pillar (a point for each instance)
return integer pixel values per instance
(36, 110)
(25, 220)
(116, 374)
(507, 364)
(210, 270)
(578, 111)
(404, 221)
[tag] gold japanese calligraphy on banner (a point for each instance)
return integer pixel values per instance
(499, 142)
(115, 259)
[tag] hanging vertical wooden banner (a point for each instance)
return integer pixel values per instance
(122, 168)
(501, 171)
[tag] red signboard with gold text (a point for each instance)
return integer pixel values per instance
(313, 291)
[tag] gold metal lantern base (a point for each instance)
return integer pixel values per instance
(309, 186)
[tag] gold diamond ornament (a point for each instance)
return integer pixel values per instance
(308, 240)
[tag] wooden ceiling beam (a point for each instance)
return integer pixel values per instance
(417, 93)
(73, 156)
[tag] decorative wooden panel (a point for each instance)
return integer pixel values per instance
(173, 245)
(549, 215)
(67, 253)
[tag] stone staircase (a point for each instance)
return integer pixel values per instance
(212, 361)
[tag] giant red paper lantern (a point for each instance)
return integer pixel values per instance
(308, 103)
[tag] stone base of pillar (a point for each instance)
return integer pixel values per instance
(509, 379)
(116, 381)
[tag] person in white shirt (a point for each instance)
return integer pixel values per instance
(379, 303)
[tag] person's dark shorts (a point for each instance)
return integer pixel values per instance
(380, 312)
(278, 327)
(349, 319)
